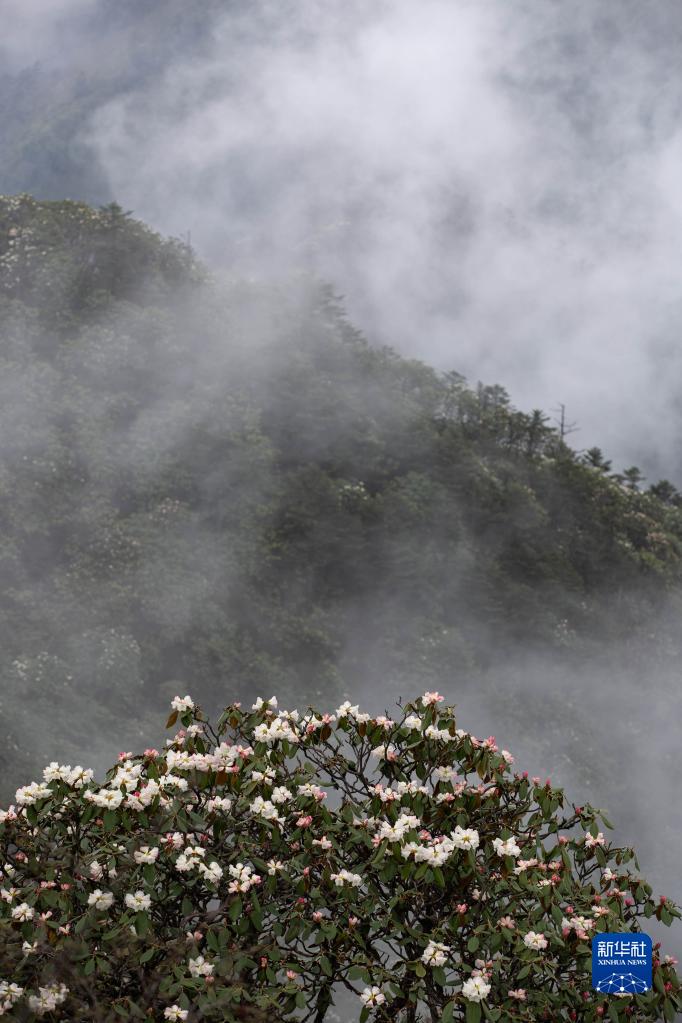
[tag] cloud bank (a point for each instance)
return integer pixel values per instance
(493, 189)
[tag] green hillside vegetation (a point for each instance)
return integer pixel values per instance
(222, 485)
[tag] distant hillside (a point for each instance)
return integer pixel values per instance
(223, 486)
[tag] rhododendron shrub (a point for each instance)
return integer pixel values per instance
(276, 861)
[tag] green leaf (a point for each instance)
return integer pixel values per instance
(473, 943)
(420, 970)
(110, 819)
(473, 1013)
(613, 1012)
(448, 1012)
(142, 923)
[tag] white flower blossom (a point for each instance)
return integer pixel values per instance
(100, 899)
(260, 703)
(372, 996)
(146, 854)
(23, 912)
(138, 901)
(475, 989)
(30, 794)
(182, 704)
(346, 877)
(200, 967)
(506, 847)
(435, 953)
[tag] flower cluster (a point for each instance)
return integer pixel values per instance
(433, 879)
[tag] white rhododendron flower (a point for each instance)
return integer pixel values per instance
(146, 854)
(100, 899)
(435, 953)
(465, 838)
(276, 731)
(175, 1013)
(281, 794)
(373, 996)
(443, 734)
(535, 940)
(266, 809)
(260, 703)
(243, 877)
(182, 704)
(475, 989)
(200, 967)
(346, 877)
(347, 710)
(108, 799)
(506, 847)
(30, 794)
(48, 998)
(138, 901)
(219, 804)
(23, 912)
(387, 752)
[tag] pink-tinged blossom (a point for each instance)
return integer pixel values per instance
(182, 704)
(431, 698)
(535, 940)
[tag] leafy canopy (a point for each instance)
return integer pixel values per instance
(280, 861)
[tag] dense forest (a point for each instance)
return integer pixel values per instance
(220, 484)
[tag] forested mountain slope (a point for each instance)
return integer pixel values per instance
(221, 485)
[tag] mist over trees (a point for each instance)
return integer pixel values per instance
(223, 483)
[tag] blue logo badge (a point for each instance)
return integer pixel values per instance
(621, 963)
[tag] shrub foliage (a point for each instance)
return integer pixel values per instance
(274, 862)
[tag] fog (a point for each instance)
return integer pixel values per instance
(494, 189)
